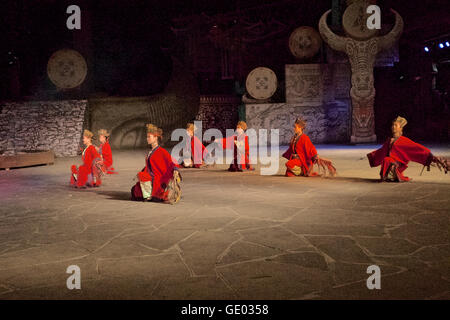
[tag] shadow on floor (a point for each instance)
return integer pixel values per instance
(355, 179)
(338, 178)
(116, 195)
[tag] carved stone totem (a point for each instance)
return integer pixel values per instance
(362, 54)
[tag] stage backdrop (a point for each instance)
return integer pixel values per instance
(317, 92)
(125, 117)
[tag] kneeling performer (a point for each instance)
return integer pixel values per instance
(105, 151)
(302, 155)
(160, 180)
(397, 151)
(197, 150)
(90, 172)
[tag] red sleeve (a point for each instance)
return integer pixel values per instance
(287, 154)
(247, 151)
(107, 154)
(376, 157)
(198, 150)
(162, 169)
(228, 142)
(306, 147)
(406, 150)
(312, 152)
(204, 151)
(89, 156)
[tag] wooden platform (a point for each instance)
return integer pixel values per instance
(26, 159)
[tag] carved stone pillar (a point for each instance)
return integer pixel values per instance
(362, 53)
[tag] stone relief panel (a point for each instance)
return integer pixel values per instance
(305, 84)
(327, 123)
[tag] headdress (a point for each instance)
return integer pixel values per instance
(103, 132)
(154, 130)
(191, 126)
(87, 134)
(401, 121)
(242, 124)
(300, 122)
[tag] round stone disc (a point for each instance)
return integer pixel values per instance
(304, 42)
(261, 83)
(67, 69)
(354, 21)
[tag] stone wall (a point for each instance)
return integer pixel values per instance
(325, 124)
(218, 111)
(42, 125)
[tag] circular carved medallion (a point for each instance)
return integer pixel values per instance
(354, 21)
(304, 42)
(67, 69)
(261, 83)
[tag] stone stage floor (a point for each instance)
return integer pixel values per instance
(232, 236)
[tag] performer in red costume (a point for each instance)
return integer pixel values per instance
(241, 150)
(89, 174)
(105, 151)
(159, 180)
(397, 151)
(302, 155)
(198, 151)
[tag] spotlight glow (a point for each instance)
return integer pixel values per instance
(447, 44)
(441, 45)
(426, 49)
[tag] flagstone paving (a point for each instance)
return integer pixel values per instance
(232, 236)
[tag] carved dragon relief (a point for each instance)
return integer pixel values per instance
(362, 55)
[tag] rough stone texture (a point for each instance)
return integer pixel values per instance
(327, 123)
(42, 125)
(219, 112)
(305, 83)
(232, 236)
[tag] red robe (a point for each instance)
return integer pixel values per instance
(105, 151)
(198, 152)
(87, 173)
(241, 160)
(397, 155)
(301, 153)
(159, 167)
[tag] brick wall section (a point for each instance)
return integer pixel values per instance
(42, 125)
